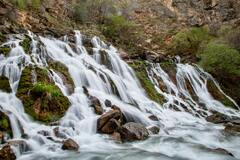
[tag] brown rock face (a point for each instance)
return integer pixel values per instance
(218, 118)
(111, 126)
(232, 128)
(95, 103)
(133, 131)
(6, 153)
(113, 114)
(70, 144)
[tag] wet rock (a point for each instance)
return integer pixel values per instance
(154, 130)
(108, 103)
(58, 133)
(223, 151)
(112, 114)
(6, 153)
(20, 144)
(85, 91)
(117, 137)
(111, 126)
(44, 133)
(218, 118)
(232, 128)
(153, 117)
(95, 103)
(133, 131)
(70, 144)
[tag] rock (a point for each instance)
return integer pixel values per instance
(232, 128)
(108, 103)
(153, 117)
(6, 153)
(5, 125)
(154, 130)
(85, 91)
(218, 118)
(112, 114)
(95, 103)
(133, 131)
(117, 137)
(70, 144)
(44, 133)
(20, 144)
(58, 133)
(124, 55)
(223, 151)
(111, 126)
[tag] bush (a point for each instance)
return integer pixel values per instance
(221, 59)
(93, 10)
(23, 4)
(234, 39)
(189, 41)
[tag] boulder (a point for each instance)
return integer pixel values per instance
(70, 144)
(108, 103)
(112, 114)
(58, 133)
(95, 103)
(6, 153)
(232, 128)
(111, 126)
(133, 131)
(218, 118)
(44, 133)
(117, 137)
(153, 117)
(154, 130)
(20, 144)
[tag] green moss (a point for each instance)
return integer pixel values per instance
(141, 73)
(4, 84)
(26, 44)
(42, 100)
(5, 125)
(5, 50)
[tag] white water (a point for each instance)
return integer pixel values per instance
(182, 136)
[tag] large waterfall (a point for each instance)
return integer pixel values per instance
(184, 132)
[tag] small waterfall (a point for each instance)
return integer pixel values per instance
(107, 77)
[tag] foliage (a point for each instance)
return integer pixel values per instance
(93, 10)
(42, 88)
(24, 4)
(4, 50)
(122, 33)
(189, 41)
(4, 84)
(234, 39)
(220, 58)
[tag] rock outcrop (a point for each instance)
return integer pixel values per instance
(70, 144)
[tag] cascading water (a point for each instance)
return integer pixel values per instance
(106, 76)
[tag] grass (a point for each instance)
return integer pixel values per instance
(42, 88)
(26, 44)
(5, 50)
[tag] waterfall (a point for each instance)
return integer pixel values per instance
(107, 77)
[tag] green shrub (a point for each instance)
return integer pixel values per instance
(221, 59)
(189, 41)
(234, 39)
(24, 4)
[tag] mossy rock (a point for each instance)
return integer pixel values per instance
(218, 95)
(41, 98)
(26, 44)
(141, 73)
(62, 71)
(4, 84)
(5, 125)
(5, 50)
